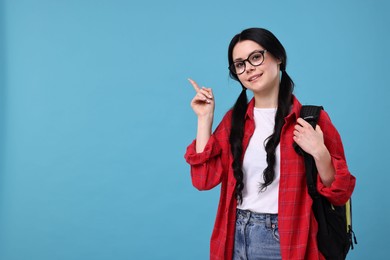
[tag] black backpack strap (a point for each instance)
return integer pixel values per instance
(311, 176)
(310, 114)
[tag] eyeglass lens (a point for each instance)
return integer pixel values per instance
(255, 59)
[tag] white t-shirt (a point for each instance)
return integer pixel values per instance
(254, 164)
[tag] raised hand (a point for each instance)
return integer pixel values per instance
(203, 103)
(203, 106)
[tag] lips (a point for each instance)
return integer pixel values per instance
(254, 77)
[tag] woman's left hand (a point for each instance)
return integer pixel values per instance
(310, 140)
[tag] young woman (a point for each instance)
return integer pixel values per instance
(264, 210)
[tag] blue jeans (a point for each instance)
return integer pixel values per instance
(256, 236)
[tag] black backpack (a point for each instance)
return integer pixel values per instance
(335, 232)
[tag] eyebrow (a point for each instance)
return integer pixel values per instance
(241, 59)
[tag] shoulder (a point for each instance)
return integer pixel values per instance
(225, 124)
(227, 118)
(328, 128)
(324, 118)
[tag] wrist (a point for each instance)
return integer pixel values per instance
(205, 119)
(321, 153)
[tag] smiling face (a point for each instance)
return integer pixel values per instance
(264, 79)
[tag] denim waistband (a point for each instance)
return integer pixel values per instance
(257, 217)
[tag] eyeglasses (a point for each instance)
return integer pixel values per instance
(255, 59)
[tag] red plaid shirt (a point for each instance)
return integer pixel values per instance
(297, 224)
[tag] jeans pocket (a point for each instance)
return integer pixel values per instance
(275, 232)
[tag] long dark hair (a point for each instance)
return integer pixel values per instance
(268, 41)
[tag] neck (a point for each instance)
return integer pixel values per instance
(267, 100)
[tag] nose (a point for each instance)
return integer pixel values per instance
(249, 66)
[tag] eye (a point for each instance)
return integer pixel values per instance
(238, 65)
(256, 56)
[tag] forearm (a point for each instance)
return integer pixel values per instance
(205, 124)
(324, 165)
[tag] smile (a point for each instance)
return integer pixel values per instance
(254, 77)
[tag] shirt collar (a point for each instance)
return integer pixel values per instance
(249, 110)
(294, 113)
(295, 110)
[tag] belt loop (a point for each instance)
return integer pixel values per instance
(268, 220)
(247, 216)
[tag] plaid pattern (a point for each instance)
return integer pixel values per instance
(297, 224)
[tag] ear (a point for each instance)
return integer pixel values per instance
(282, 66)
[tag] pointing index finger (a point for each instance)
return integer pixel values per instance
(195, 85)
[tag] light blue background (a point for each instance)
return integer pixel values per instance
(95, 117)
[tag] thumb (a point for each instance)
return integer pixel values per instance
(318, 129)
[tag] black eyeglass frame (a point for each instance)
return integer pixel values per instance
(233, 69)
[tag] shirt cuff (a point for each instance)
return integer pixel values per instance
(342, 187)
(211, 150)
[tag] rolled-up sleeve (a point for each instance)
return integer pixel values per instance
(212, 149)
(342, 187)
(206, 167)
(209, 166)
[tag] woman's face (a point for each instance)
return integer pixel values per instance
(262, 79)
